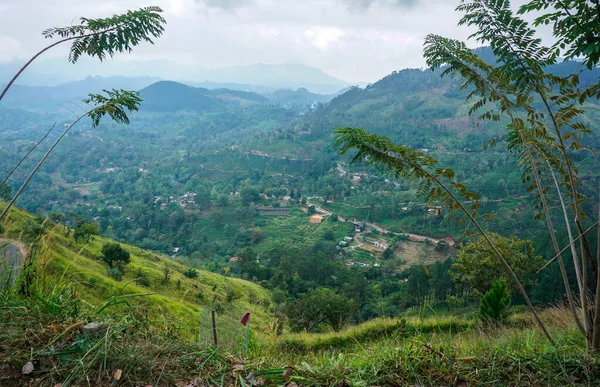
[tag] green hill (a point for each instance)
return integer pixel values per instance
(60, 259)
(167, 96)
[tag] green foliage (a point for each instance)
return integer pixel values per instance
(319, 306)
(114, 255)
(231, 293)
(86, 231)
(115, 273)
(167, 272)
(5, 192)
(32, 229)
(494, 303)
(142, 279)
(405, 162)
(442, 247)
(191, 273)
(115, 104)
(106, 37)
(575, 25)
(477, 266)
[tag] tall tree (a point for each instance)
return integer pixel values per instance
(542, 138)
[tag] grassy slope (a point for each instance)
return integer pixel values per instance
(82, 265)
(440, 350)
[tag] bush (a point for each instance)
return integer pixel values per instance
(32, 229)
(115, 273)
(191, 273)
(142, 278)
(231, 293)
(493, 305)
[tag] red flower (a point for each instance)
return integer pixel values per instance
(245, 318)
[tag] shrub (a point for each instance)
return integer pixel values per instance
(115, 273)
(492, 307)
(32, 229)
(191, 273)
(231, 293)
(142, 278)
(167, 273)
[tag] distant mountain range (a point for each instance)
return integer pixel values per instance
(168, 96)
(161, 96)
(270, 76)
(49, 97)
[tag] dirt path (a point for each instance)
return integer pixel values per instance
(11, 259)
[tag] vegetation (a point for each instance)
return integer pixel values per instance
(476, 267)
(113, 254)
(357, 262)
(493, 304)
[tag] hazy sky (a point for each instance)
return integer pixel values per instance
(354, 40)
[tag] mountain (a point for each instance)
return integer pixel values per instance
(48, 98)
(300, 99)
(168, 96)
(54, 72)
(280, 76)
(409, 103)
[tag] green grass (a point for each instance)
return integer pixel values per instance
(181, 298)
(439, 351)
(153, 341)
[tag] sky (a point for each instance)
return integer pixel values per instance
(357, 41)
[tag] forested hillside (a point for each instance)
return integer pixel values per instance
(436, 227)
(198, 173)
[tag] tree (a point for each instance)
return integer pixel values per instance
(318, 306)
(256, 236)
(103, 37)
(114, 255)
(97, 38)
(167, 273)
(477, 268)
(492, 307)
(5, 192)
(216, 219)
(328, 235)
(545, 126)
(545, 136)
(249, 195)
(86, 231)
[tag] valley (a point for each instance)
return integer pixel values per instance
(214, 220)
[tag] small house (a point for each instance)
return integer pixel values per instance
(348, 239)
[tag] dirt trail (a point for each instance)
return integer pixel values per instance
(11, 258)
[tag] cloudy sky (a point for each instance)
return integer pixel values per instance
(354, 40)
